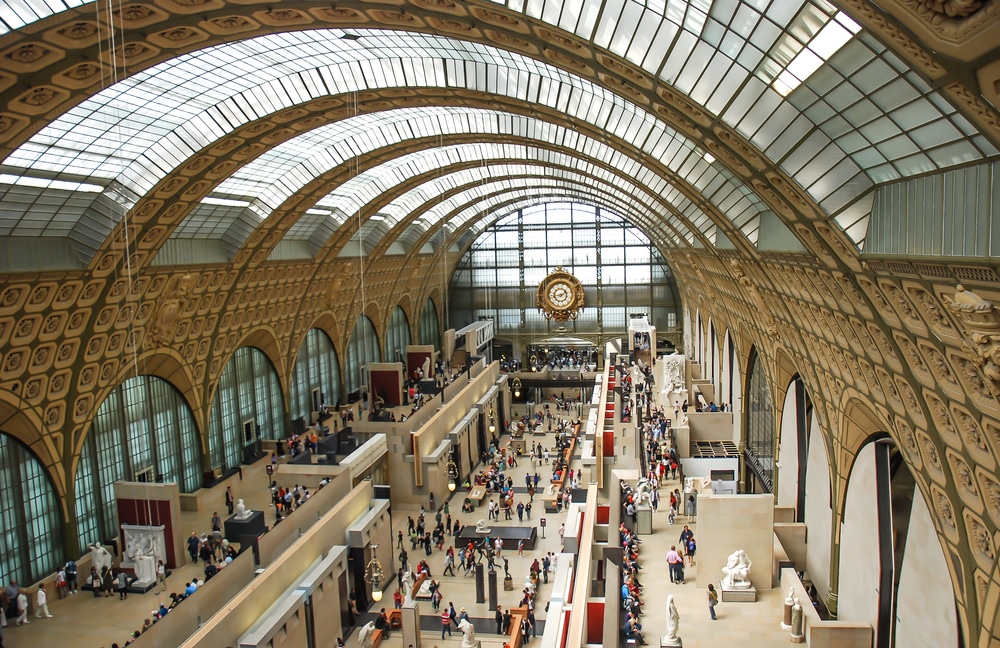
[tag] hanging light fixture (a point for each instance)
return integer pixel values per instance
(493, 423)
(374, 571)
(516, 386)
(452, 471)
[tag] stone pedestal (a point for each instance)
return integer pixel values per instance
(508, 584)
(671, 643)
(411, 624)
(739, 595)
(144, 546)
(480, 584)
(644, 520)
(493, 589)
(246, 530)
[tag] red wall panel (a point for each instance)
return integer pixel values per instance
(149, 513)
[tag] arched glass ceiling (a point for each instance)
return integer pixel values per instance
(818, 94)
(508, 177)
(451, 211)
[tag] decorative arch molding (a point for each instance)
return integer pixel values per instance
(268, 341)
(20, 421)
(858, 424)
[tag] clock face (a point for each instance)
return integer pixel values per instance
(560, 294)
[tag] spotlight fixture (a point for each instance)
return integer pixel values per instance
(374, 571)
(516, 386)
(493, 423)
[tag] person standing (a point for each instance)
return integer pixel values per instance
(42, 603)
(71, 576)
(216, 522)
(690, 551)
(499, 620)
(161, 577)
(22, 608)
(230, 500)
(673, 560)
(713, 599)
(122, 585)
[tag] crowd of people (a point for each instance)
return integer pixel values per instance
(631, 589)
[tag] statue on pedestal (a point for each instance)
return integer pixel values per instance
(99, 557)
(241, 511)
(468, 634)
(673, 625)
(737, 571)
(481, 527)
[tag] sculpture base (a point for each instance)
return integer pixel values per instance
(670, 643)
(739, 595)
(508, 584)
(797, 638)
(246, 530)
(644, 520)
(474, 644)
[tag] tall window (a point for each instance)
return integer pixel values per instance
(430, 330)
(143, 430)
(760, 429)
(31, 544)
(397, 337)
(316, 367)
(362, 349)
(248, 395)
(621, 272)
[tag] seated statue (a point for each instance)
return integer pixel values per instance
(481, 527)
(737, 571)
(241, 511)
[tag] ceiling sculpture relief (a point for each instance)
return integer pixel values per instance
(406, 129)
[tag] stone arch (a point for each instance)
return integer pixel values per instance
(20, 421)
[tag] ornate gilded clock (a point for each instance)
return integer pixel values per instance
(560, 296)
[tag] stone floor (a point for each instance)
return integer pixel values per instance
(85, 621)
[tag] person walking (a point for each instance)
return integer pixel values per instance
(449, 564)
(230, 499)
(71, 576)
(22, 608)
(42, 603)
(161, 577)
(713, 600)
(445, 623)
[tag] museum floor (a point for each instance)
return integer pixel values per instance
(84, 621)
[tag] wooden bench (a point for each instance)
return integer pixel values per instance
(395, 622)
(550, 504)
(417, 584)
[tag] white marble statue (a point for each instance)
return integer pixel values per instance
(365, 635)
(673, 624)
(481, 526)
(642, 492)
(241, 511)
(99, 557)
(737, 571)
(427, 367)
(145, 568)
(468, 634)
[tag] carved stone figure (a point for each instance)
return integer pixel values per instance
(164, 320)
(642, 492)
(99, 557)
(981, 329)
(241, 511)
(673, 624)
(468, 634)
(365, 635)
(481, 526)
(737, 571)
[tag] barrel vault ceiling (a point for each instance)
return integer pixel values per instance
(179, 178)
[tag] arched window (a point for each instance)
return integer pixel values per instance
(362, 349)
(31, 547)
(430, 330)
(248, 406)
(397, 337)
(144, 430)
(316, 368)
(760, 429)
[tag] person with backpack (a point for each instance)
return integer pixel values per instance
(713, 600)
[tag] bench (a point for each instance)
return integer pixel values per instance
(395, 622)
(421, 588)
(560, 484)
(516, 616)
